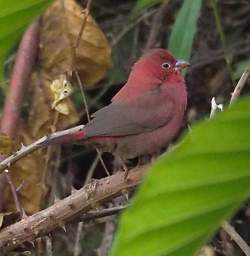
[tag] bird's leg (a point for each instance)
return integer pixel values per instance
(125, 168)
(123, 165)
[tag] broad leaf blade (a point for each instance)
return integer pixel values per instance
(15, 15)
(190, 190)
(182, 35)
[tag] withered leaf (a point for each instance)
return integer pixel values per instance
(93, 57)
(59, 31)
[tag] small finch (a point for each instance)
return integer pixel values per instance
(146, 114)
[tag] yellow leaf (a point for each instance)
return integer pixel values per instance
(61, 89)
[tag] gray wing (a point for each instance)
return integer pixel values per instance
(143, 114)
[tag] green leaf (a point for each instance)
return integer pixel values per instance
(143, 4)
(182, 35)
(15, 15)
(191, 190)
(240, 68)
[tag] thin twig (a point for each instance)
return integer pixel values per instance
(84, 21)
(49, 246)
(80, 82)
(222, 37)
(57, 137)
(156, 26)
(80, 224)
(83, 95)
(14, 193)
(91, 170)
(102, 213)
(236, 49)
(99, 153)
(238, 88)
(236, 237)
(77, 248)
(107, 238)
(88, 117)
(128, 27)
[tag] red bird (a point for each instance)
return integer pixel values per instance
(146, 114)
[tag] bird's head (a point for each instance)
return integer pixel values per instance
(160, 64)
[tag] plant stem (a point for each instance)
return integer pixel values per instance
(219, 28)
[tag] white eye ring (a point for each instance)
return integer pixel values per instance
(165, 65)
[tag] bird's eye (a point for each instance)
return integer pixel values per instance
(165, 65)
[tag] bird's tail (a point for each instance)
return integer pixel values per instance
(70, 135)
(81, 135)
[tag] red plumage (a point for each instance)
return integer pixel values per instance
(147, 113)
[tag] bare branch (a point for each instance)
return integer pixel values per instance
(236, 237)
(238, 88)
(57, 137)
(102, 213)
(84, 21)
(68, 209)
(14, 193)
(161, 14)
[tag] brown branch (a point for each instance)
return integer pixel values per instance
(14, 193)
(102, 213)
(68, 209)
(130, 26)
(84, 21)
(156, 27)
(236, 237)
(57, 137)
(21, 72)
(238, 88)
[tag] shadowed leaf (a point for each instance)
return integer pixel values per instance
(184, 28)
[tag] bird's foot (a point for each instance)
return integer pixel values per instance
(125, 168)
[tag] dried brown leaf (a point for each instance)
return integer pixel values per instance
(93, 57)
(51, 110)
(7, 145)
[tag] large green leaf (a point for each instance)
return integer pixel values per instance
(182, 35)
(15, 15)
(190, 190)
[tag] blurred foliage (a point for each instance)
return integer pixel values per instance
(19, 14)
(183, 31)
(50, 105)
(190, 190)
(240, 68)
(143, 4)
